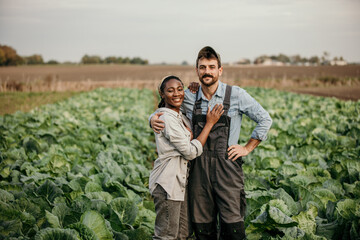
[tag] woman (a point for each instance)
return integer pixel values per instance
(175, 146)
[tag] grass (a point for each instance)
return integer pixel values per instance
(10, 102)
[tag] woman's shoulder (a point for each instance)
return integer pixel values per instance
(168, 114)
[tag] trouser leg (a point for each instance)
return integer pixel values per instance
(230, 199)
(167, 215)
(185, 228)
(205, 231)
(202, 207)
(232, 231)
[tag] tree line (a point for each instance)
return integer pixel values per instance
(324, 59)
(9, 57)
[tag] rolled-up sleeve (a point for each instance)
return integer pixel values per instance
(250, 107)
(175, 133)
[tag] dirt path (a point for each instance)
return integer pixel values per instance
(341, 92)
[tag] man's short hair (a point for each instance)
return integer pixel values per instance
(208, 53)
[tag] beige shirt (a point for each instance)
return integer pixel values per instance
(175, 149)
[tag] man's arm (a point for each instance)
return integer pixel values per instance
(250, 107)
(155, 123)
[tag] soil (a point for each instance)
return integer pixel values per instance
(340, 92)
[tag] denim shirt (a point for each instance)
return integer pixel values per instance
(240, 103)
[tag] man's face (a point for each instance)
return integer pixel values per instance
(208, 71)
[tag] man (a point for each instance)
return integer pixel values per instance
(216, 180)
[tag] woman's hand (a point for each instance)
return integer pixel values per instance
(214, 115)
(194, 87)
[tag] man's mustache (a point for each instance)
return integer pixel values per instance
(206, 75)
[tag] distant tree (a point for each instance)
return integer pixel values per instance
(325, 58)
(10, 57)
(2, 57)
(304, 60)
(110, 60)
(273, 57)
(260, 59)
(52, 62)
(119, 60)
(126, 60)
(34, 59)
(137, 60)
(295, 59)
(86, 59)
(283, 58)
(184, 63)
(314, 60)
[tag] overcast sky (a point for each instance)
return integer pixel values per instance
(174, 31)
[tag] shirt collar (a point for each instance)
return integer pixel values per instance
(171, 112)
(220, 91)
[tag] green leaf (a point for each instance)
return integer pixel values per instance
(96, 223)
(92, 187)
(85, 232)
(125, 209)
(272, 217)
(139, 233)
(105, 196)
(348, 209)
(49, 191)
(5, 196)
(306, 220)
(56, 234)
(52, 219)
(30, 144)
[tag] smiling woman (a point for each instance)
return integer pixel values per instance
(171, 91)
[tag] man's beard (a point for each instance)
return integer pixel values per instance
(208, 84)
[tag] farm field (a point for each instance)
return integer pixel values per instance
(10, 102)
(79, 168)
(339, 81)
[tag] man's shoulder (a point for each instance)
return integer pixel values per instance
(237, 91)
(189, 94)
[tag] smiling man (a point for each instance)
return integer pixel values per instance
(216, 180)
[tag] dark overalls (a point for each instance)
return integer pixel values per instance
(216, 184)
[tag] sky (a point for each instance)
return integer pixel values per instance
(174, 31)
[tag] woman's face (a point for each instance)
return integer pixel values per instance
(173, 94)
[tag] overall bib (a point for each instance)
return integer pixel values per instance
(216, 184)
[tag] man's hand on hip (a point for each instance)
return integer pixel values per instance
(236, 151)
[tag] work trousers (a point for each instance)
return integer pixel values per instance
(172, 217)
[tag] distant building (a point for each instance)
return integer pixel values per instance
(338, 63)
(243, 61)
(271, 62)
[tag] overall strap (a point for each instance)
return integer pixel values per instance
(226, 102)
(197, 105)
